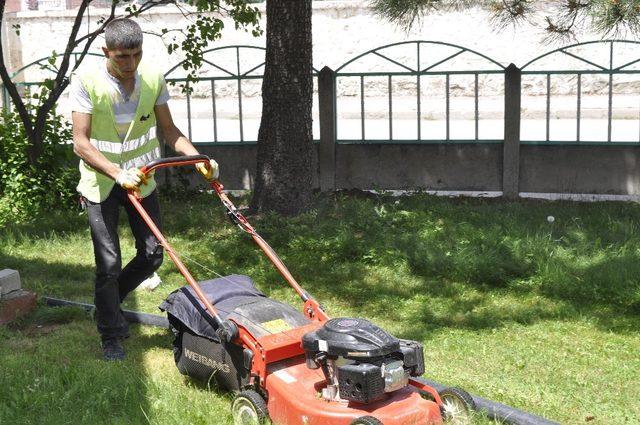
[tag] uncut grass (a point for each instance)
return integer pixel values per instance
(51, 375)
(540, 316)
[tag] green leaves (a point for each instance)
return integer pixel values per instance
(614, 17)
(132, 9)
(406, 13)
(207, 28)
(27, 191)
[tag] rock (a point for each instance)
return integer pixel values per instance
(9, 281)
(16, 304)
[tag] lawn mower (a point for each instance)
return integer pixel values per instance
(286, 366)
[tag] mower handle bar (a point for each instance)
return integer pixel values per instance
(311, 306)
(226, 331)
(174, 161)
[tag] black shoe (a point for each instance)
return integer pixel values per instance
(112, 349)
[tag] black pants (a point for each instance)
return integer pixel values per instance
(113, 283)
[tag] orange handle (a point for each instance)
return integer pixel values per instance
(175, 161)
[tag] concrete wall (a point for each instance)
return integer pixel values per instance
(461, 167)
(611, 170)
(465, 167)
(386, 167)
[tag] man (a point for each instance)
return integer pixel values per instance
(115, 110)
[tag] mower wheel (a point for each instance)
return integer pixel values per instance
(249, 408)
(457, 406)
(366, 420)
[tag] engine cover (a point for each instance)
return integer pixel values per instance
(360, 361)
(350, 338)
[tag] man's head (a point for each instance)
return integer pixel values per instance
(123, 39)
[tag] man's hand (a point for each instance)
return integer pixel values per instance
(131, 179)
(210, 171)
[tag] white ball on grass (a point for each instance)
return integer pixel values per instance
(551, 219)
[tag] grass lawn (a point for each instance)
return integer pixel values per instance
(541, 316)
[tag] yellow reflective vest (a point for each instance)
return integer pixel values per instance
(140, 145)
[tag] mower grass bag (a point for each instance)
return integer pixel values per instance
(197, 349)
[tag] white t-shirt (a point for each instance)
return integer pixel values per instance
(124, 107)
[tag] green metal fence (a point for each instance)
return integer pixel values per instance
(415, 61)
(47, 64)
(388, 94)
(238, 65)
(607, 59)
(218, 68)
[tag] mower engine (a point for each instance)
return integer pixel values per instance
(360, 361)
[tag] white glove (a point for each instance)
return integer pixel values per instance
(209, 171)
(131, 179)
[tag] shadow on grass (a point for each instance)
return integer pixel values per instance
(52, 366)
(466, 263)
(419, 265)
(52, 372)
(67, 280)
(473, 264)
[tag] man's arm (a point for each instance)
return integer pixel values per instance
(85, 150)
(173, 137)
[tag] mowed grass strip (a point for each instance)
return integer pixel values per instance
(538, 315)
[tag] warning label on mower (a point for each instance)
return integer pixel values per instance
(275, 326)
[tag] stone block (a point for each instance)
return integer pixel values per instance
(9, 282)
(16, 304)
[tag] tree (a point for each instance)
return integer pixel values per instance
(284, 165)
(205, 28)
(607, 17)
(285, 138)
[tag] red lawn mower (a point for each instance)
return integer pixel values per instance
(294, 367)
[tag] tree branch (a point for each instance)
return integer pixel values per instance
(100, 30)
(61, 81)
(184, 11)
(112, 14)
(61, 75)
(562, 27)
(149, 5)
(10, 85)
(64, 66)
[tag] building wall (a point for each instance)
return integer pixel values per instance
(341, 30)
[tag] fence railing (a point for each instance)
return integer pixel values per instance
(616, 58)
(423, 93)
(49, 64)
(238, 65)
(414, 61)
(373, 95)
(235, 71)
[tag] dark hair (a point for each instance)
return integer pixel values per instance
(123, 33)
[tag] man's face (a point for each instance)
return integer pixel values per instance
(123, 62)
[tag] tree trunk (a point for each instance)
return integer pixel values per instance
(285, 139)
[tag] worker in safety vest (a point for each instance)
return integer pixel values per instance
(115, 110)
